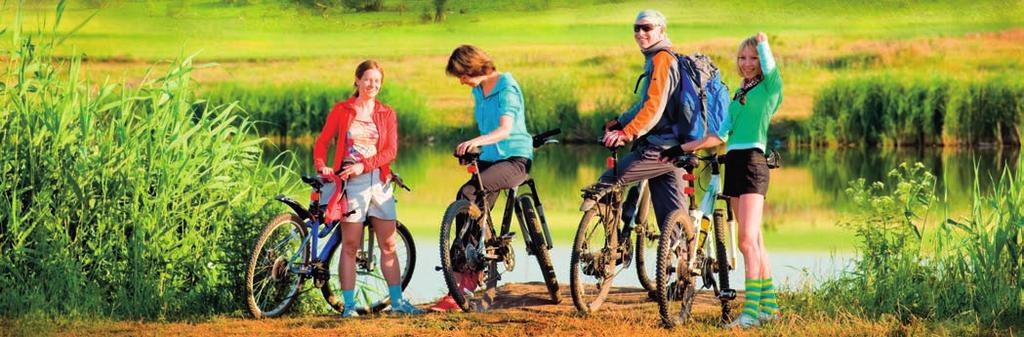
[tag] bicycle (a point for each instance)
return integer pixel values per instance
(608, 253)
(470, 246)
(684, 259)
(276, 272)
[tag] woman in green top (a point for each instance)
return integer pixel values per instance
(745, 132)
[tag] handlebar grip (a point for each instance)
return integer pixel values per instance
(549, 133)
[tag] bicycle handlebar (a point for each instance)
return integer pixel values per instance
(545, 137)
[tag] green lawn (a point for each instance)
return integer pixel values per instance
(589, 42)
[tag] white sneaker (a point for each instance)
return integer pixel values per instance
(744, 322)
(349, 312)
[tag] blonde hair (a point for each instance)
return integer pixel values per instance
(470, 61)
(750, 42)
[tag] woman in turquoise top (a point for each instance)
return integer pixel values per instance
(507, 148)
(745, 132)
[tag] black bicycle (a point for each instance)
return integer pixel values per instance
(471, 246)
(598, 256)
(684, 252)
(290, 250)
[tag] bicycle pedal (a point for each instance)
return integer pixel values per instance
(727, 295)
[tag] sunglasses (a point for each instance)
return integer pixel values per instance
(644, 27)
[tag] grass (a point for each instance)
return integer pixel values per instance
(121, 201)
(586, 44)
(894, 111)
(970, 276)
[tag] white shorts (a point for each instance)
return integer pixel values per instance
(367, 196)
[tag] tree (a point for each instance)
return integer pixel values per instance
(439, 9)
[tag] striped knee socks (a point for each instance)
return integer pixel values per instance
(753, 298)
(769, 304)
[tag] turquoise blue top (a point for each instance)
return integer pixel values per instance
(506, 99)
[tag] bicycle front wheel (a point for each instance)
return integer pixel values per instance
(596, 259)
(675, 278)
(540, 246)
(272, 278)
(371, 288)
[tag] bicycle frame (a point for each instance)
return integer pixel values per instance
(702, 215)
(510, 207)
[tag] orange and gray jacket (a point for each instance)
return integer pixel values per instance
(648, 116)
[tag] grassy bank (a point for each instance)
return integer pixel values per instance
(121, 201)
(912, 267)
(299, 110)
(901, 111)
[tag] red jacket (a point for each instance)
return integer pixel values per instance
(337, 125)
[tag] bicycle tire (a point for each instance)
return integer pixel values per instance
(676, 287)
(587, 301)
(540, 247)
(278, 266)
(646, 236)
(448, 263)
(721, 258)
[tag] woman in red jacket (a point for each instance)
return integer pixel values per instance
(367, 141)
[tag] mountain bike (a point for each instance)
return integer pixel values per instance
(291, 249)
(598, 256)
(470, 245)
(685, 254)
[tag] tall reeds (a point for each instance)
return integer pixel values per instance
(908, 266)
(890, 111)
(119, 200)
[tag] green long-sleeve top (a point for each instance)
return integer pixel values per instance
(746, 127)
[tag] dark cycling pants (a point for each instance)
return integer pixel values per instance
(665, 182)
(496, 176)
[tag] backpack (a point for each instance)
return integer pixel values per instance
(702, 97)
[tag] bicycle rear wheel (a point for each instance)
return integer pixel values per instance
(596, 259)
(647, 234)
(676, 282)
(463, 263)
(271, 281)
(539, 245)
(371, 288)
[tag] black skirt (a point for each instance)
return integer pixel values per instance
(746, 171)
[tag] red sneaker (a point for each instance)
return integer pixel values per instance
(446, 303)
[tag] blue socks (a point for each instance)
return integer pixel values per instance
(350, 297)
(395, 292)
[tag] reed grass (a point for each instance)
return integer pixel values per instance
(118, 200)
(911, 267)
(891, 111)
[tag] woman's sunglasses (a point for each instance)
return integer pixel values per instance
(644, 27)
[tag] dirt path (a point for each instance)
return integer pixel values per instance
(522, 310)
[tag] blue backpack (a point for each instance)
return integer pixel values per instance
(703, 99)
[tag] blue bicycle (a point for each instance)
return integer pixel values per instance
(291, 249)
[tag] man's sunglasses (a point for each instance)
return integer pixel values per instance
(644, 27)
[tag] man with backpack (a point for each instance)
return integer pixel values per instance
(681, 97)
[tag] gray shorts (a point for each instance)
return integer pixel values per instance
(367, 196)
